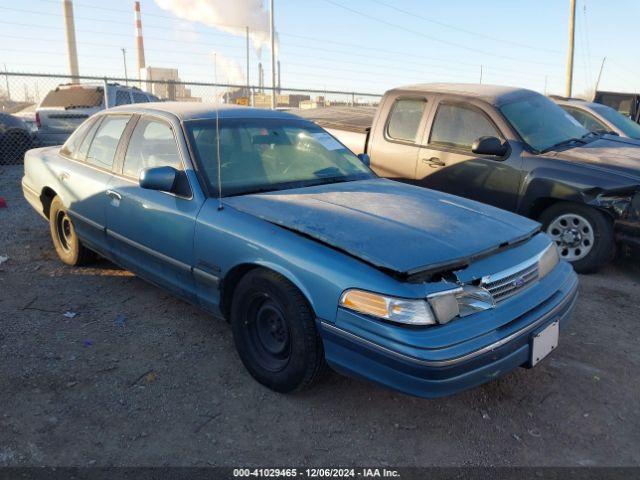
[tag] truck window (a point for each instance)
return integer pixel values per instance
(587, 120)
(152, 145)
(103, 147)
(405, 119)
(122, 97)
(458, 126)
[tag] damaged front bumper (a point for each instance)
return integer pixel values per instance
(627, 224)
(438, 361)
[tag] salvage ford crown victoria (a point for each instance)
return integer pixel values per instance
(311, 257)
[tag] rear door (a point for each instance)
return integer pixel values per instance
(151, 232)
(86, 174)
(446, 162)
(395, 141)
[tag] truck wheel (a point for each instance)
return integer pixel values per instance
(67, 244)
(274, 332)
(583, 235)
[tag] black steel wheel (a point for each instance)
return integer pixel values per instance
(63, 234)
(274, 332)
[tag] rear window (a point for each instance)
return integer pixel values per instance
(74, 97)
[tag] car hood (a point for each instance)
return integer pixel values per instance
(391, 225)
(613, 155)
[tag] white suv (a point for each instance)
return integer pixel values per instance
(68, 105)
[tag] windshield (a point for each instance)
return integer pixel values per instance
(625, 124)
(541, 123)
(260, 155)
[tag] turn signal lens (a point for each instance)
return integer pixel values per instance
(548, 261)
(400, 310)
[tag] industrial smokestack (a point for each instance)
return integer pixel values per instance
(260, 78)
(70, 31)
(279, 78)
(139, 41)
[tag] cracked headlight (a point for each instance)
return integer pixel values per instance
(400, 310)
(548, 260)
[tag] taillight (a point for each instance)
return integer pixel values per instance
(38, 119)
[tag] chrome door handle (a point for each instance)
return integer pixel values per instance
(433, 162)
(114, 195)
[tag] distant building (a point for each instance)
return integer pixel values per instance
(263, 100)
(166, 84)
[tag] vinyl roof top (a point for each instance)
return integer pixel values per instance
(207, 111)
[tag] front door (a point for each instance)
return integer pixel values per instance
(151, 232)
(446, 162)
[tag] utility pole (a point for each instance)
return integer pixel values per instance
(599, 77)
(273, 58)
(480, 74)
(6, 81)
(124, 61)
(572, 27)
(248, 84)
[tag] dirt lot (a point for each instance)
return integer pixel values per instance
(141, 378)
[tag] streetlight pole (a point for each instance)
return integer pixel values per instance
(124, 61)
(273, 58)
(572, 27)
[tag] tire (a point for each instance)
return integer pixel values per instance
(583, 235)
(63, 234)
(274, 332)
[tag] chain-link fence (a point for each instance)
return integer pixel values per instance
(44, 109)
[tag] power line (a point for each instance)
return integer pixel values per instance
(463, 30)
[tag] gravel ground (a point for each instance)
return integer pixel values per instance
(140, 378)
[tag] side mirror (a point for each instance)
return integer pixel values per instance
(158, 178)
(364, 158)
(490, 146)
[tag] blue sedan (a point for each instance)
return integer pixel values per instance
(266, 220)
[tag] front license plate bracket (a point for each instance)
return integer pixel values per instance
(544, 341)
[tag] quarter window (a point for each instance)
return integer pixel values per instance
(405, 119)
(459, 126)
(71, 147)
(152, 144)
(105, 143)
(122, 97)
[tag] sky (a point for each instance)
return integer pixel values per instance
(352, 45)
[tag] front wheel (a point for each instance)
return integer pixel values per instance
(65, 240)
(274, 332)
(583, 235)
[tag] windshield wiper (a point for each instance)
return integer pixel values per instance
(563, 143)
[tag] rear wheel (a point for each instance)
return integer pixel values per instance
(583, 235)
(274, 332)
(65, 240)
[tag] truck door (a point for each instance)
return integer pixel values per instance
(395, 140)
(446, 162)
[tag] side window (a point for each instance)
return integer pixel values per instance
(139, 97)
(459, 126)
(71, 147)
(587, 120)
(103, 147)
(405, 119)
(122, 97)
(152, 144)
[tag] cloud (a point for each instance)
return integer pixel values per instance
(228, 70)
(231, 16)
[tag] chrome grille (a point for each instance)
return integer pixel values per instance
(507, 283)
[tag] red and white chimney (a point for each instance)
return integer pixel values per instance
(139, 40)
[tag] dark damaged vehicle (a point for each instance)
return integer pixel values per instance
(310, 256)
(508, 147)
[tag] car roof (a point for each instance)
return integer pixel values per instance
(493, 94)
(185, 111)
